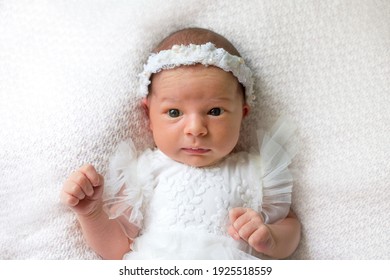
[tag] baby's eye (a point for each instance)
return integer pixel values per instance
(174, 113)
(216, 111)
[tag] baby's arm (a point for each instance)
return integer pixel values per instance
(82, 192)
(278, 240)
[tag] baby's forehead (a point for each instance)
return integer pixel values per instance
(195, 79)
(196, 70)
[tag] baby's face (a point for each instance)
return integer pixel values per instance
(196, 113)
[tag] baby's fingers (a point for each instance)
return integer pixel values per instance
(78, 185)
(241, 216)
(233, 233)
(235, 213)
(261, 240)
(69, 199)
(244, 222)
(72, 193)
(90, 173)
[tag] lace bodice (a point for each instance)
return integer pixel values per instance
(199, 198)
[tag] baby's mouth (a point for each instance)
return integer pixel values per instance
(197, 151)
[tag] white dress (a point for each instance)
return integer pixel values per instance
(182, 211)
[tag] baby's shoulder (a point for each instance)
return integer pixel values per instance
(242, 165)
(154, 163)
(242, 159)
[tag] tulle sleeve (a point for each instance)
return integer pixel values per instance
(129, 191)
(276, 153)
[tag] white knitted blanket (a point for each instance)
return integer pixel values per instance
(67, 85)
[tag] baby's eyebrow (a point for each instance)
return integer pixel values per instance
(169, 100)
(221, 99)
(177, 99)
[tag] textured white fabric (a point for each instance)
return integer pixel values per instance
(67, 86)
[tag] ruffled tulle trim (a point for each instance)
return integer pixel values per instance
(131, 193)
(276, 153)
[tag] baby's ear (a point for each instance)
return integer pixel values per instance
(245, 110)
(145, 105)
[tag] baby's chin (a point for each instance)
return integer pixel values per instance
(196, 157)
(199, 162)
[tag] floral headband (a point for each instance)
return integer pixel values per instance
(206, 54)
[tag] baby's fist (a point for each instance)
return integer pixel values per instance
(249, 225)
(83, 190)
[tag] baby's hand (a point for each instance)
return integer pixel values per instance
(83, 190)
(249, 225)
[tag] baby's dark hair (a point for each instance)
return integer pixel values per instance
(197, 36)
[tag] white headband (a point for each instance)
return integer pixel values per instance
(206, 54)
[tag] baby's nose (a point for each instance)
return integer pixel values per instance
(196, 126)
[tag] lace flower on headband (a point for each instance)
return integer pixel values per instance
(206, 54)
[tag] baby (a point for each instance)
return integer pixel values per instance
(191, 197)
